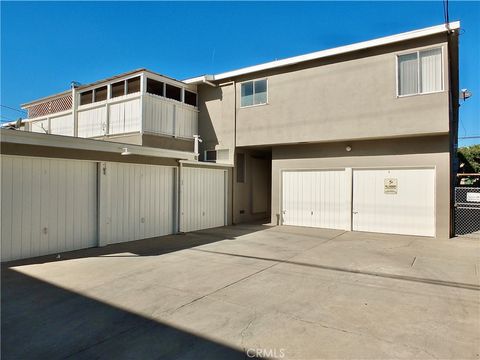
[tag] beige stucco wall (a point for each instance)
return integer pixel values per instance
(216, 118)
(410, 152)
(354, 97)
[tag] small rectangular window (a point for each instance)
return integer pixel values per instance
(240, 166)
(133, 85)
(154, 87)
(173, 92)
(190, 98)
(118, 89)
(420, 72)
(101, 93)
(254, 93)
(211, 155)
(86, 97)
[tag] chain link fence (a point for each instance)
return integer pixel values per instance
(467, 210)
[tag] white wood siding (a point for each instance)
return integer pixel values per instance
(162, 116)
(410, 211)
(315, 199)
(158, 115)
(202, 198)
(136, 201)
(48, 206)
(92, 122)
(125, 117)
(186, 122)
(62, 125)
(39, 126)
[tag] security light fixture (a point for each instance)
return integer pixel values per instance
(348, 148)
(125, 151)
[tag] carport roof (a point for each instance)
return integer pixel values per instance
(68, 142)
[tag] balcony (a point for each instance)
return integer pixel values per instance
(142, 103)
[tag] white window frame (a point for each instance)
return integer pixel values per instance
(253, 81)
(418, 51)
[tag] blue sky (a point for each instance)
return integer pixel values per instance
(44, 46)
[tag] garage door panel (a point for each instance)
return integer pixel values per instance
(138, 202)
(39, 208)
(202, 198)
(411, 210)
(315, 198)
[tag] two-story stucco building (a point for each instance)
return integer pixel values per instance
(360, 137)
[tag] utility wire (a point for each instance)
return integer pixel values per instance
(11, 108)
(445, 12)
(470, 137)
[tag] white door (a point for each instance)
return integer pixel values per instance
(315, 198)
(396, 201)
(48, 206)
(137, 201)
(202, 197)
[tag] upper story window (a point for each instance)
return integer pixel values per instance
(190, 98)
(420, 72)
(133, 85)
(173, 92)
(118, 89)
(154, 87)
(86, 97)
(100, 94)
(254, 93)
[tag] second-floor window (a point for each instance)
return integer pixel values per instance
(420, 72)
(254, 93)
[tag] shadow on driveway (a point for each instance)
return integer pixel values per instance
(42, 321)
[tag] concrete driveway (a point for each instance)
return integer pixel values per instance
(242, 291)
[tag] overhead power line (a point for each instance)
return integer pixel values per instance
(445, 12)
(11, 108)
(469, 137)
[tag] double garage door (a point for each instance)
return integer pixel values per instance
(49, 206)
(397, 201)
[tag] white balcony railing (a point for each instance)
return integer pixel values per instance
(133, 113)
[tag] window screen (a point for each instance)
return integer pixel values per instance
(240, 168)
(190, 98)
(173, 92)
(86, 97)
(133, 85)
(154, 87)
(420, 72)
(118, 89)
(101, 94)
(254, 93)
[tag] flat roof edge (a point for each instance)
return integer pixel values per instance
(31, 138)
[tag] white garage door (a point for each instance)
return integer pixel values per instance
(137, 201)
(398, 201)
(48, 206)
(202, 197)
(315, 199)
